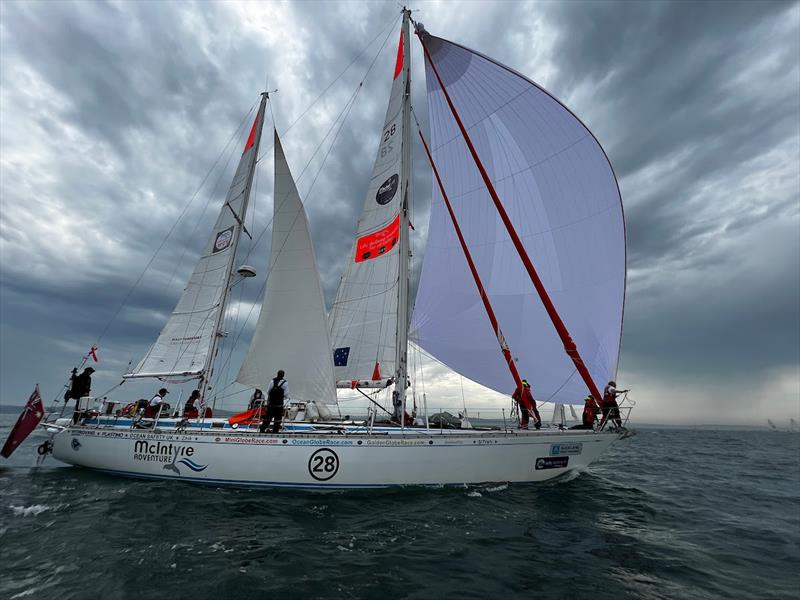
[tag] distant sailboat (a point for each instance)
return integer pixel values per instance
(526, 232)
(771, 425)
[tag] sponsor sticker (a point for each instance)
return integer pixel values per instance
(223, 239)
(387, 190)
(379, 242)
(566, 449)
(551, 462)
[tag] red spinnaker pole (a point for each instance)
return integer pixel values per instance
(569, 345)
(484, 297)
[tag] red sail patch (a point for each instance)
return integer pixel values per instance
(398, 66)
(379, 242)
(251, 139)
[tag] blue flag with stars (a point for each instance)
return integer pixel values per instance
(340, 356)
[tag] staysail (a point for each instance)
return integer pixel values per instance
(364, 316)
(292, 329)
(558, 188)
(184, 346)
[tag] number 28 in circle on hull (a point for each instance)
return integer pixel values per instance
(323, 464)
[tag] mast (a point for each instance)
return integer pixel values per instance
(401, 349)
(569, 345)
(254, 140)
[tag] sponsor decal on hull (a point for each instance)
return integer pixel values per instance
(552, 462)
(566, 449)
(144, 451)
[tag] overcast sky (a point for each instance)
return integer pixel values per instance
(112, 114)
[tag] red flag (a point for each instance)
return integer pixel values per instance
(27, 422)
(93, 353)
(376, 372)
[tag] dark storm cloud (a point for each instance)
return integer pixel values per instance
(111, 115)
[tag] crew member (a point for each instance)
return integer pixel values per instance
(610, 406)
(589, 414)
(154, 408)
(527, 405)
(80, 386)
(277, 392)
(190, 409)
(256, 400)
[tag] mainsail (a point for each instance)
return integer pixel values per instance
(292, 330)
(364, 316)
(558, 188)
(184, 347)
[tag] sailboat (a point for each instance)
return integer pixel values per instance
(524, 274)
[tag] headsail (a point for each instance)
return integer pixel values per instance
(364, 315)
(185, 344)
(559, 190)
(292, 330)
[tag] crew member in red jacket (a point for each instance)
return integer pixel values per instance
(610, 406)
(527, 405)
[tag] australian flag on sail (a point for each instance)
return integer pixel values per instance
(340, 356)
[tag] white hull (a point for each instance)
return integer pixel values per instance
(331, 461)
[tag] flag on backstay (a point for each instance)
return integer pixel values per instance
(93, 353)
(27, 422)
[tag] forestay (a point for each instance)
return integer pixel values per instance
(292, 330)
(561, 194)
(183, 347)
(363, 318)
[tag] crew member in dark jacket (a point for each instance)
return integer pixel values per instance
(190, 409)
(80, 386)
(277, 392)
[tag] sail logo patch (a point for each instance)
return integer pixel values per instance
(340, 356)
(387, 190)
(379, 242)
(552, 462)
(223, 240)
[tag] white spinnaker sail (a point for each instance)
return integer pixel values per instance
(561, 194)
(292, 329)
(363, 318)
(182, 348)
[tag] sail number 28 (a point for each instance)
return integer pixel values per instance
(323, 464)
(386, 142)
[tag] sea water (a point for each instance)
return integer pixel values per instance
(668, 513)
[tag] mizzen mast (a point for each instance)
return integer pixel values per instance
(401, 361)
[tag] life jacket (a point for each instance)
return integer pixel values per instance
(609, 398)
(589, 413)
(276, 394)
(524, 398)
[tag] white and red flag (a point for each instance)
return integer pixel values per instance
(27, 422)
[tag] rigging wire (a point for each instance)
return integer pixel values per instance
(185, 209)
(346, 113)
(171, 230)
(340, 120)
(390, 25)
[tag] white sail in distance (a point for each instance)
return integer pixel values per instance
(184, 346)
(364, 316)
(559, 190)
(292, 329)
